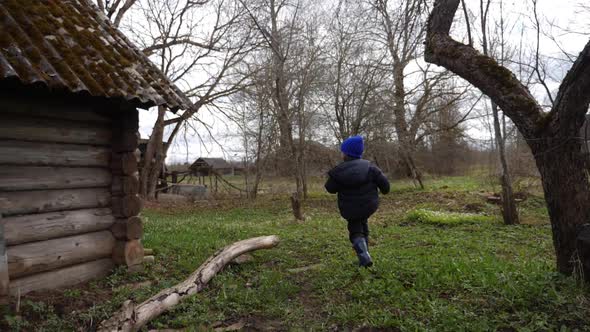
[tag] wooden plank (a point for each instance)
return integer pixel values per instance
(79, 113)
(65, 277)
(41, 201)
(55, 131)
(16, 178)
(52, 154)
(4, 279)
(45, 226)
(35, 257)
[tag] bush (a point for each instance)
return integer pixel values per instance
(445, 218)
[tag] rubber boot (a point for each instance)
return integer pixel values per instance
(362, 252)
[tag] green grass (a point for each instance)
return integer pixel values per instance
(478, 275)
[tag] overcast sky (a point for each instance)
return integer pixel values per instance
(563, 13)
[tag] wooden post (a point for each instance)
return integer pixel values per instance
(4, 280)
(126, 204)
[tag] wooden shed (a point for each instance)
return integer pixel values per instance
(70, 86)
(211, 166)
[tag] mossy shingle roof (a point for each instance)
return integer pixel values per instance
(214, 163)
(71, 45)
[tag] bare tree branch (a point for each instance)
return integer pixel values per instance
(122, 11)
(177, 41)
(482, 71)
(571, 102)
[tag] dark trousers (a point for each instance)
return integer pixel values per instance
(358, 228)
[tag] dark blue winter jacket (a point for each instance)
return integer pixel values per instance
(356, 182)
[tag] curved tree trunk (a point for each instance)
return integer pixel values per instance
(567, 194)
(552, 136)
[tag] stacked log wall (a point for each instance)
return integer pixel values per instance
(55, 193)
(126, 204)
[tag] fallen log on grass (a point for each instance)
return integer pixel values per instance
(132, 317)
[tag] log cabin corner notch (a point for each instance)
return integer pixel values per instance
(70, 86)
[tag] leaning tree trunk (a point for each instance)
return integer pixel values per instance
(509, 212)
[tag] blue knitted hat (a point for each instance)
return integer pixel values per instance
(353, 146)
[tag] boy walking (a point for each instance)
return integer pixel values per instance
(356, 182)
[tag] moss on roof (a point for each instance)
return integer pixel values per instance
(70, 45)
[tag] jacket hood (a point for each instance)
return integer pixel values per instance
(351, 173)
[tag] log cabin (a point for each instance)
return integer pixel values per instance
(70, 88)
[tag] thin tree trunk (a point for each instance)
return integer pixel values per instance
(246, 178)
(301, 171)
(414, 171)
(401, 126)
(296, 207)
(304, 179)
(258, 169)
(254, 191)
(509, 212)
(288, 151)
